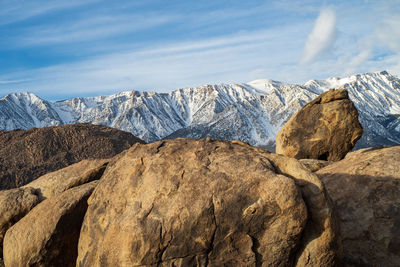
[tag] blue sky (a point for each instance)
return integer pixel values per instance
(62, 49)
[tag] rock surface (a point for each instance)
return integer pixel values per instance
(366, 189)
(48, 234)
(190, 202)
(327, 128)
(315, 164)
(28, 154)
(14, 204)
(54, 183)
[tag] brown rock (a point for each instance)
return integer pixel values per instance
(321, 241)
(202, 202)
(54, 183)
(28, 154)
(14, 204)
(48, 234)
(326, 128)
(315, 164)
(366, 189)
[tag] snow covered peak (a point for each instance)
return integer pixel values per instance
(336, 83)
(265, 85)
(252, 112)
(21, 95)
(330, 83)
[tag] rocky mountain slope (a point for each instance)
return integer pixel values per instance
(27, 154)
(251, 112)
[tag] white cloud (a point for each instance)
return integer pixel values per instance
(170, 66)
(12, 81)
(389, 32)
(379, 49)
(92, 28)
(322, 36)
(272, 53)
(356, 57)
(14, 11)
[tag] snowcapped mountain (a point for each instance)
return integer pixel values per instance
(251, 112)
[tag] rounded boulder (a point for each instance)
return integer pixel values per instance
(202, 202)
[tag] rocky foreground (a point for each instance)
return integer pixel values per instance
(187, 202)
(203, 202)
(176, 203)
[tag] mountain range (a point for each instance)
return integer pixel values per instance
(252, 112)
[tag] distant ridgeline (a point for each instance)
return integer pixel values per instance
(251, 112)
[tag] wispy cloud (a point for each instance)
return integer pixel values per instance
(389, 34)
(162, 46)
(322, 36)
(8, 82)
(91, 28)
(379, 47)
(162, 68)
(353, 64)
(14, 11)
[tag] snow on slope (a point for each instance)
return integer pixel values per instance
(251, 112)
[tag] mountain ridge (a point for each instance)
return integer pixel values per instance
(252, 112)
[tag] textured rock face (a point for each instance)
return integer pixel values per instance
(207, 203)
(327, 128)
(27, 155)
(48, 234)
(314, 164)
(14, 204)
(366, 189)
(54, 183)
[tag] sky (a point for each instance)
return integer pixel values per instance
(63, 49)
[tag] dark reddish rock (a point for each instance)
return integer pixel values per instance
(28, 154)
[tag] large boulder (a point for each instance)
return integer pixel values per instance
(28, 154)
(327, 128)
(54, 183)
(48, 234)
(366, 189)
(202, 202)
(14, 204)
